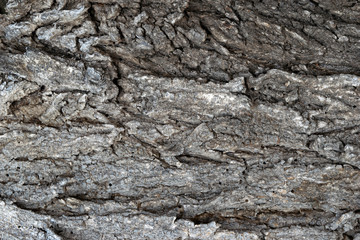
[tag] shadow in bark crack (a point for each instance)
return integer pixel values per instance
(2, 6)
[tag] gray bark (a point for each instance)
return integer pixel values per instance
(179, 119)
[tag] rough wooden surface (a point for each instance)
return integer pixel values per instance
(179, 119)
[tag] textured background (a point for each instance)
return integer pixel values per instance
(179, 119)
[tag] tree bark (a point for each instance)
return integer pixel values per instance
(179, 119)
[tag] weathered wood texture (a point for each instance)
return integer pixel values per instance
(179, 119)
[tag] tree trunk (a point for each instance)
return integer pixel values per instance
(179, 119)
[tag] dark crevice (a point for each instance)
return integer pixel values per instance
(92, 16)
(3, 6)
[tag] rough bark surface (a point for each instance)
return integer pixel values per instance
(179, 119)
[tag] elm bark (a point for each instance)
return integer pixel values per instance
(191, 119)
